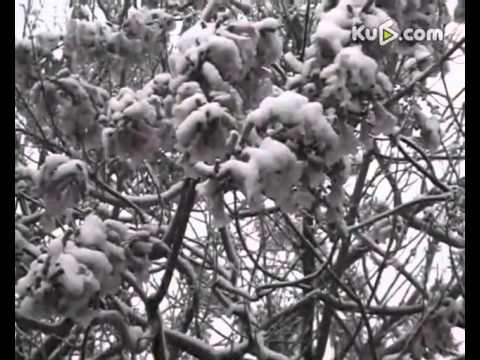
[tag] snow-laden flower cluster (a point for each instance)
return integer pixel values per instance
(61, 285)
(435, 335)
(202, 114)
(334, 28)
(279, 171)
(151, 26)
(230, 54)
(77, 107)
(281, 109)
(305, 78)
(223, 9)
(136, 123)
(203, 134)
(382, 120)
(77, 269)
(23, 62)
(430, 132)
(335, 69)
(61, 182)
(29, 51)
(145, 31)
(271, 170)
(335, 24)
(318, 137)
(353, 73)
(234, 49)
(170, 111)
(306, 124)
(417, 13)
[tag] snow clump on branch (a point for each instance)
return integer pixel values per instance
(77, 106)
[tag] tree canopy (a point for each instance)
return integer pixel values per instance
(232, 179)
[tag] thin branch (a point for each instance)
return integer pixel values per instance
(426, 73)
